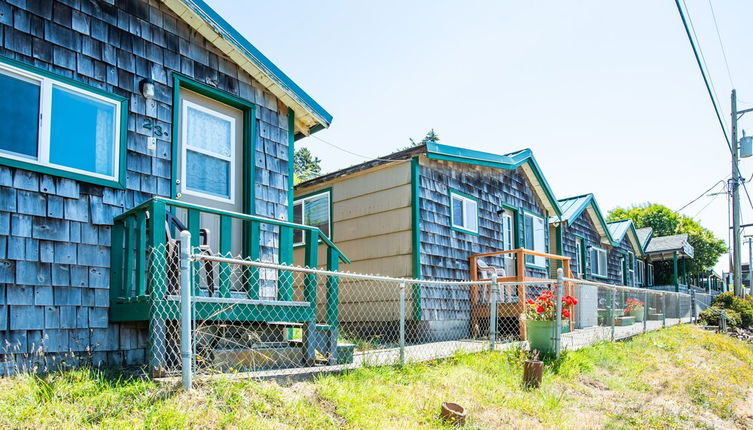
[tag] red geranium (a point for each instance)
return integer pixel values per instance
(540, 309)
(544, 307)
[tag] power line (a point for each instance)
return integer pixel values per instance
(709, 85)
(354, 153)
(703, 193)
(721, 45)
(710, 201)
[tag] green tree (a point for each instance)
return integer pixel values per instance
(666, 222)
(431, 136)
(305, 165)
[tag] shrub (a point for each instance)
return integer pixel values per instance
(744, 307)
(712, 316)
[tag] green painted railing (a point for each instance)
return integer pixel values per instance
(142, 230)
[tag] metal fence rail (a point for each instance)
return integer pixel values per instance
(218, 318)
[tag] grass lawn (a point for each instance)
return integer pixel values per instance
(681, 377)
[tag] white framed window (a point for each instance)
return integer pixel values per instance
(641, 272)
(463, 212)
(621, 270)
(579, 257)
(55, 124)
(508, 225)
(534, 229)
(208, 158)
(598, 259)
(631, 269)
(315, 211)
(650, 278)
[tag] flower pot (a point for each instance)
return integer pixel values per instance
(637, 313)
(540, 334)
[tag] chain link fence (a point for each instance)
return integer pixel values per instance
(218, 314)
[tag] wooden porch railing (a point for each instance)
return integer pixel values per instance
(480, 310)
(145, 228)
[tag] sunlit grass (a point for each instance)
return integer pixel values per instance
(680, 377)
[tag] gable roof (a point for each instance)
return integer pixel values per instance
(573, 207)
(669, 244)
(523, 158)
(618, 230)
(644, 235)
(309, 115)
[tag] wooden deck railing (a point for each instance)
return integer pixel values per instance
(144, 228)
(480, 310)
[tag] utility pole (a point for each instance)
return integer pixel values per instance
(736, 268)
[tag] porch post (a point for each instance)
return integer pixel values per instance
(675, 280)
(685, 272)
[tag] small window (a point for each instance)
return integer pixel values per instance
(650, 280)
(463, 213)
(621, 270)
(209, 153)
(641, 272)
(598, 259)
(535, 238)
(581, 269)
(50, 123)
(313, 211)
(507, 233)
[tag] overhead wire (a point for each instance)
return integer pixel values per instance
(721, 44)
(716, 184)
(355, 153)
(701, 61)
(724, 186)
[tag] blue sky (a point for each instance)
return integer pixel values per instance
(606, 93)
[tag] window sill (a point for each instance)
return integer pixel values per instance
(599, 276)
(52, 171)
(462, 230)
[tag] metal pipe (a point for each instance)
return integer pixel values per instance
(558, 310)
(185, 307)
(612, 316)
(493, 313)
(402, 323)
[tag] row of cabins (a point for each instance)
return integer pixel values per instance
(141, 118)
(439, 212)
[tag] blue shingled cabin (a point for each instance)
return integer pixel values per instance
(434, 212)
(117, 114)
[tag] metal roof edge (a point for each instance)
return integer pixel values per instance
(260, 60)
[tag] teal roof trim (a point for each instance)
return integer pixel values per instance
(203, 9)
(512, 160)
(573, 207)
(618, 230)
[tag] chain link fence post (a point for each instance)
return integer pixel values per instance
(612, 310)
(663, 310)
(493, 313)
(693, 317)
(402, 323)
(558, 309)
(646, 309)
(185, 308)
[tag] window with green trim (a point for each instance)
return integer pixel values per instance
(313, 210)
(598, 260)
(641, 272)
(534, 235)
(463, 212)
(51, 123)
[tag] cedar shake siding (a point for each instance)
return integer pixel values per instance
(583, 227)
(444, 250)
(55, 232)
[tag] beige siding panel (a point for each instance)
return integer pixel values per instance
(373, 225)
(381, 179)
(395, 266)
(376, 202)
(384, 245)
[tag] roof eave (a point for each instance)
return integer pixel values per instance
(310, 116)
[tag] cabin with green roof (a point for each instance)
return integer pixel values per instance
(424, 212)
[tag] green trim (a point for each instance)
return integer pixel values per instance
(452, 217)
(416, 236)
(558, 244)
(120, 182)
(331, 236)
(543, 218)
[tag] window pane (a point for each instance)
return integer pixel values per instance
(298, 219)
(602, 262)
(471, 215)
(209, 132)
(316, 213)
(207, 174)
(82, 132)
(19, 130)
(457, 212)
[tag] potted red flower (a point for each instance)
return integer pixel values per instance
(540, 320)
(634, 308)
